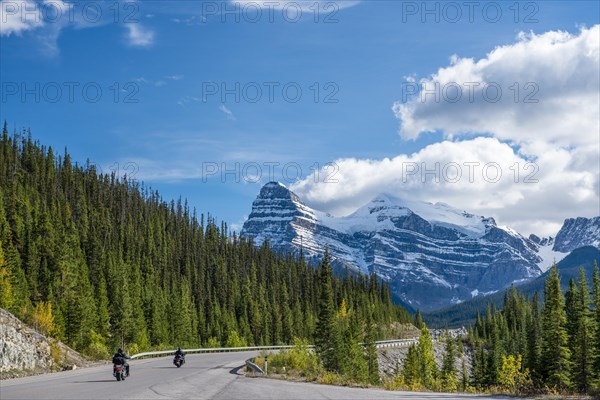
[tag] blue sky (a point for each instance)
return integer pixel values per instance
(170, 57)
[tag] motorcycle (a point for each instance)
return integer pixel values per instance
(119, 369)
(178, 361)
(120, 372)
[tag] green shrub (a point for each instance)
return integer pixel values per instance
(212, 343)
(97, 349)
(234, 340)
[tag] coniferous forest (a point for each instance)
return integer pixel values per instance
(101, 262)
(532, 345)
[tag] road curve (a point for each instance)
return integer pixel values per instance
(204, 376)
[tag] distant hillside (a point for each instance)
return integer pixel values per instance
(465, 313)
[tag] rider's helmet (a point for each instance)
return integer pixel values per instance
(120, 350)
(179, 349)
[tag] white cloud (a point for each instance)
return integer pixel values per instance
(187, 100)
(227, 112)
(558, 69)
(139, 36)
(530, 197)
(48, 18)
(559, 135)
(18, 17)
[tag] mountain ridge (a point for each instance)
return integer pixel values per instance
(465, 313)
(416, 246)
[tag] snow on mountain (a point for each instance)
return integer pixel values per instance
(420, 248)
(577, 232)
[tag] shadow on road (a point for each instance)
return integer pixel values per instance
(236, 371)
(103, 380)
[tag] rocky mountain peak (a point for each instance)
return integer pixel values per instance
(578, 232)
(419, 247)
(275, 190)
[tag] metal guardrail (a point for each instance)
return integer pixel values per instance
(379, 344)
(396, 343)
(211, 350)
(254, 367)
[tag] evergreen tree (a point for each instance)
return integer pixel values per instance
(479, 365)
(356, 367)
(596, 315)
(326, 339)
(371, 349)
(571, 312)
(411, 369)
(427, 367)
(582, 336)
(494, 356)
(448, 372)
(418, 320)
(555, 353)
(534, 339)
(464, 383)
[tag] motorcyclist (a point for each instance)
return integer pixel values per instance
(180, 353)
(121, 358)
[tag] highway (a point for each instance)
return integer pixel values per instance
(204, 376)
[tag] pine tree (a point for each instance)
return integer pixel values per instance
(411, 369)
(596, 317)
(572, 313)
(555, 353)
(534, 339)
(356, 367)
(494, 356)
(464, 383)
(371, 349)
(448, 372)
(325, 333)
(418, 320)
(428, 370)
(582, 337)
(479, 365)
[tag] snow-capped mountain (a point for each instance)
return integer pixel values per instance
(575, 233)
(420, 248)
(578, 232)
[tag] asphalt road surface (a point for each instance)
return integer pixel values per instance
(204, 376)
